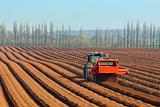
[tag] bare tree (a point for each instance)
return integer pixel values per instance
(100, 38)
(69, 37)
(137, 34)
(151, 33)
(128, 36)
(33, 35)
(131, 35)
(112, 40)
(158, 39)
(80, 37)
(21, 33)
(41, 35)
(27, 33)
(36, 35)
(124, 38)
(118, 39)
(96, 37)
(45, 34)
(62, 36)
(52, 38)
(134, 36)
(154, 35)
(57, 37)
(106, 38)
(3, 33)
(15, 32)
(144, 34)
(24, 34)
(147, 37)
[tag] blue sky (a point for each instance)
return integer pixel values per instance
(86, 13)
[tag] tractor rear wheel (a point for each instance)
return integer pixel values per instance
(84, 74)
(95, 78)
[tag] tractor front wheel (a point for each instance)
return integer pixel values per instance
(86, 74)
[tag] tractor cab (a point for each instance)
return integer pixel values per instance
(95, 55)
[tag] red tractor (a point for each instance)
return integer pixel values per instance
(103, 66)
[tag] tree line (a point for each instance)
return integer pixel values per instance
(131, 36)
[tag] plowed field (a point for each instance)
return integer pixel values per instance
(41, 76)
